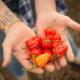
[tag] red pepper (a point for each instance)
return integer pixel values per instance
(51, 54)
(57, 40)
(33, 42)
(50, 36)
(50, 31)
(45, 42)
(36, 52)
(60, 50)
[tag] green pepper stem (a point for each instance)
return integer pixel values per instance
(34, 56)
(35, 65)
(54, 56)
(24, 47)
(55, 40)
(30, 68)
(48, 41)
(51, 24)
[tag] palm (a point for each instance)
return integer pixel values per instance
(44, 20)
(58, 24)
(15, 38)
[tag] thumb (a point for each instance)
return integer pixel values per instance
(72, 24)
(6, 54)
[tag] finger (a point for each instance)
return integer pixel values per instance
(56, 63)
(49, 67)
(72, 24)
(6, 54)
(69, 52)
(62, 61)
(27, 65)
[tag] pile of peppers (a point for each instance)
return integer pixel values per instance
(45, 50)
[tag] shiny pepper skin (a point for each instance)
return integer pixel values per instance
(60, 50)
(34, 42)
(56, 43)
(50, 31)
(36, 52)
(42, 59)
(45, 42)
(51, 54)
(50, 36)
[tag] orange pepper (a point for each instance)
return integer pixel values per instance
(42, 59)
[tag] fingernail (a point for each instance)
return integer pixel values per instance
(3, 64)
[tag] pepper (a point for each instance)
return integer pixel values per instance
(50, 31)
(32, 43)
(57, 41)
(45, 42)
(42, 59)
(51, 54)
(60, 50)
(50, 36)
(36, 52)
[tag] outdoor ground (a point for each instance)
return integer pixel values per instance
(68, 72)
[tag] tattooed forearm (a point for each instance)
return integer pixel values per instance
(8, 17)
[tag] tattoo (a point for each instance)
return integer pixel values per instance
(8, 17)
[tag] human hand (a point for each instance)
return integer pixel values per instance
(60, 24)
(16, 36)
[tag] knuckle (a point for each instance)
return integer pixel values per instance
(66, 19)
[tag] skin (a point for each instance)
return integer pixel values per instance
(15, 38)
(45, 15)
(19, 32)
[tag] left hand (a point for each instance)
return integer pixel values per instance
(60, 25)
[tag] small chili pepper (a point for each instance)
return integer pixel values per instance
(36, 52)
(50, 36)
(50, 31)
(51, 54)
(60, 50)
(57, 41)
(32, 43)
(45, 42)
(42, 59)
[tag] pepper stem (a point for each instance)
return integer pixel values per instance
(33, 57)
(48, 41)
(31, 68)
(51, 24)
(35, 65)
(54, 56)
(55, 40)
(24, 47)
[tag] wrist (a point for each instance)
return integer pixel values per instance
(12, 23)
(7, 20)
(44, 6)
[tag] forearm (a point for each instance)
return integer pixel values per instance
(43, 6)
(6, 16)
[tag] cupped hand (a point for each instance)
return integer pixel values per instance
(16, 36)
(60, 25)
